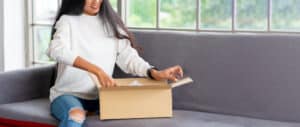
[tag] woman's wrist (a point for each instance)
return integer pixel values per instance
(95, 70)
(152, 73)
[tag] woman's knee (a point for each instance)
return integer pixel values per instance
(77, 114)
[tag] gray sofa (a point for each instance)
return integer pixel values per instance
(241, 80)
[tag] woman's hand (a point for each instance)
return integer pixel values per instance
(171, 73)
(105, 80)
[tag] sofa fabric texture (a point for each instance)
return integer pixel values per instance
(241, 80)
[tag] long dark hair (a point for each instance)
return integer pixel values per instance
(111, 19)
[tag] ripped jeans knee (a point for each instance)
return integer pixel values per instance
(77, 115)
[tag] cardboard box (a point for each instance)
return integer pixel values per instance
(136, 98)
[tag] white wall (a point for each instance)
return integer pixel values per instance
(1, 36)
(14, 34)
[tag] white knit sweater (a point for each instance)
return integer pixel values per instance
(85, 36)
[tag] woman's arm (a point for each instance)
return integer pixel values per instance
(130, 62)
(60, 46)
(60, 50)
(104, 79)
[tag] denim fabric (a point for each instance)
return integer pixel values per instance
(62, 105)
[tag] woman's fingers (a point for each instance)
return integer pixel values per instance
(110, 82)
(169, 75)
(177, 70)
(174, 73)
(103, 84)
(172, 77)
(101, 81)
(107, 82)
(114, 84)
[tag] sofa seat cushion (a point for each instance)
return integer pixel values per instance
(38, 111)
(184, 118)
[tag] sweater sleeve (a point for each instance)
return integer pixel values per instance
(60, 46)
(129, 60)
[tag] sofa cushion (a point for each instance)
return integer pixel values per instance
(184, 118)
(26, 84)
(38, 111)
(254, 75)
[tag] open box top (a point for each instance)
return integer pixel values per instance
(140, 83)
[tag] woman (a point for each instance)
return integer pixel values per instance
(89, 37)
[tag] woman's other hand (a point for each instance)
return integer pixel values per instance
(105, 80)
(171, 73)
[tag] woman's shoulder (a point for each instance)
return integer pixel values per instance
(67, 18)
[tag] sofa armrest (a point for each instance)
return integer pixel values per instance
(26, 84)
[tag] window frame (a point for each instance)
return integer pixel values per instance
(199, 29)
(123, 12)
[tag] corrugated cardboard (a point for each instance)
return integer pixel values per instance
(135, 98)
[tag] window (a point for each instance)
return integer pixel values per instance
(177, 14)
(141, 13)
(216, 14)
(286, 15)
(252, 14)
(44, 12)
(192, 15)
(41, 41)
(114, 4)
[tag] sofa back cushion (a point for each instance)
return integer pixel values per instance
(26, 84)
(241, 74)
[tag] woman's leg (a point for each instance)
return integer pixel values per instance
(68, 110)
(90, 105)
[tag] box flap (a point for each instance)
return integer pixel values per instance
(181, 82)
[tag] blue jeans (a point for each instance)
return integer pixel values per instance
(62, 105)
